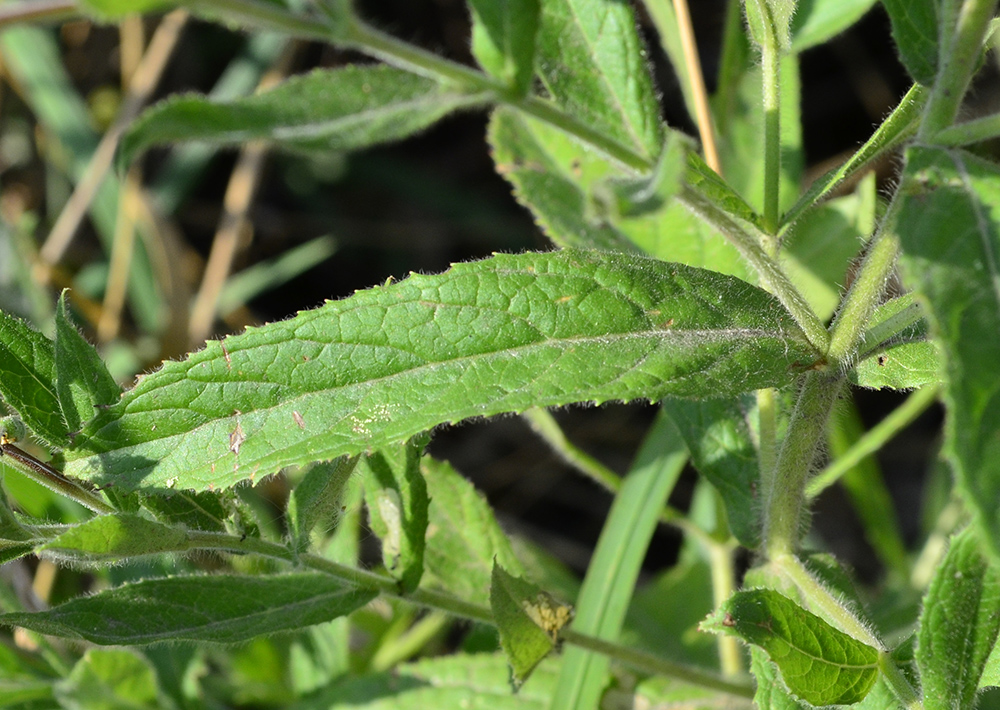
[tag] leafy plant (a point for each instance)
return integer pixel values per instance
(709, 282)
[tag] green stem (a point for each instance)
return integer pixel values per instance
(545, 425)
(958, 57)
(406, 56)
(786, 495)
(267, 15)
(771, 71)
(866, 291)
(45, 475)
(767, 412)
(748, 241)
(723, 586)
(442, 601)
(873, 439)
(904, 692)
(653, 664)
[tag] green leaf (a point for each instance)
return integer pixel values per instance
(500, 335)
(83, 382)
(116, 536)
(949, 228)
(28, 379)
(614, 568)
(722, 450)
(771, 692)
(459, 681)
(198, 511)
(902, 366)
(592, 62)
(503, 39)
(214, 608)
(915, 30)
(316, 499)
(821, 20)
(540, 162)
(463, 536)
(396, 496)
(528, 619)
(580, 199)
(818, 663)
(109, 679)
(958, 625)
(342, 109)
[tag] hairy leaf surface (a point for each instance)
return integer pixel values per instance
(818, 663)
(592, 62)
(949, 228)
(958, 625)
(215, 608)
(342, 109)
(483, 338)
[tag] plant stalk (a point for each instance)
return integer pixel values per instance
(874, 439)
(958, 57)
(786, 495)
(771, 95)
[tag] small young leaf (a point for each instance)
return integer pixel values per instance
(722, 450)
(316, 499)
(529, 621)
(83, 382)
(503, 39)
(28, 379)
(396, 496)
(915, 30)
(958, 625)
(499, 335)
(109, 673)
(592, 62)
(342, 109)
(463, 536)
(820, 20)
(818, 663)
(948, 229)
(903, 366)
(114, 537)
(214, 608)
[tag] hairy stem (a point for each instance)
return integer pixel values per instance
(786, 495)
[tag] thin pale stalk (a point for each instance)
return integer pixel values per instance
(144, 82)
(873, 439)
(703, 114)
